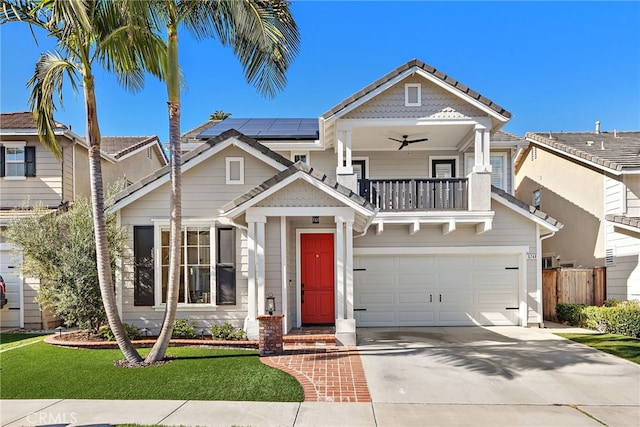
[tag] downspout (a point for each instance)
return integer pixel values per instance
(539, 273)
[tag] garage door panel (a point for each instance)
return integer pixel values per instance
(425, 290)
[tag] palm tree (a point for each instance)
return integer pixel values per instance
(219, 115)
(265, 39)
(88, 33)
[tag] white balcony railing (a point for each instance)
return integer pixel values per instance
(416, 194)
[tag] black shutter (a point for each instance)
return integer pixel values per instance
(143, 287)
(225, 267)
(30, 161)
(1, 161)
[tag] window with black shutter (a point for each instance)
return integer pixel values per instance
(143, 293)
(225, 266)
(30, 161)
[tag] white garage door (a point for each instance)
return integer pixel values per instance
(430, 290)
(9, 270)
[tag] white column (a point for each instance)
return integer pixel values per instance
(283, 269)
(348, 266)
(260, 269)
(339, 268)
(349, 166)
(486, 148)
(340, 147)
(478, 152)
(251, 273)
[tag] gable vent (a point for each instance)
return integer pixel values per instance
(609, 257)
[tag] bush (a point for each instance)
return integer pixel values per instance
(132, 332)
(615, 317)
(570, 313)
(182, 328)
(226, 332)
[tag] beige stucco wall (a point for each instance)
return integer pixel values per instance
(573, 195)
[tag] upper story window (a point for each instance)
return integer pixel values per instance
(412, 95)
(498, 169)
(302, 156)
(235, 170)
(536, 199)
(17, 160)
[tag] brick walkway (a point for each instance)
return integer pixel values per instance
(329, 374)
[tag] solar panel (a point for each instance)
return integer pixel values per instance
(267, 128)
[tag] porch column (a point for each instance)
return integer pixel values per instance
(340, 148)
(348, 165)
(344, 150)
(251, 324)
(348, 266)
(478, 150)
(339, 267)
(486, 146)
(260, 268)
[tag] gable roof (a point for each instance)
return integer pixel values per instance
(22, 120)
(525, 209)
(120, 146)
(617, 152)
(426, 70)
(195, 157)
(337, 190)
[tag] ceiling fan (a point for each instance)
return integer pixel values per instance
(406, 141)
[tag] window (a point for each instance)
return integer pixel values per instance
(443, 168)
(300, 157)
(17, 160)
(225, 266)
(547, 262)
(412, 95)
(498, 169)
(235, 170)
(536, 199)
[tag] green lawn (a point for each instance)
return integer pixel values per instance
(43, 371)
(618, 345)
(8, 340)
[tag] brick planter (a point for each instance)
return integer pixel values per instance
(270, 335)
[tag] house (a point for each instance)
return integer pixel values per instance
(393, 208)
(30, 175)
(591, 182)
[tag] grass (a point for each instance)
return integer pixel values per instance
(43, 371)
(618, 345)
(9, 340)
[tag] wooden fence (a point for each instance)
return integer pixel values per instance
(572, 285)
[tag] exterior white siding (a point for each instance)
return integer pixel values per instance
(614, 195)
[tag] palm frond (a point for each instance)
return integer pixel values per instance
(45, 84)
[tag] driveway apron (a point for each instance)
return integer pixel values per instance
(492, 366)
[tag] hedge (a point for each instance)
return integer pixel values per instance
(614, 317)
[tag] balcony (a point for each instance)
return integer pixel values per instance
(437, 194)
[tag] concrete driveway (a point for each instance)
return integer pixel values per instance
(493, 371)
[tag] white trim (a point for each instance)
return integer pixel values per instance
(13, 144)
(300, 231)
(407, 89)
(344, 212)
(524, 213)
(623, 226)
(444, 250)
(229, 179)
(455, 158)
(366, 164)
(283, 269)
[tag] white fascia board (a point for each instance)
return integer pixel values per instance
(624, 226)
(349, 124)
(524, 213)
(445, 250)
(433, 218)
(295, 146)
(238, 210)
(576, 158)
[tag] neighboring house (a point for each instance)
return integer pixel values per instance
(381, 212)
(30, 175)
(591, 182)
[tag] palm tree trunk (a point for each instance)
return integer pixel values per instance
(105, 275)
(159, 349)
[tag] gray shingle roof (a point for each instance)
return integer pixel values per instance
(427, 68)
(625, 220)
(21, 120)
(619, 152)
(527, 207)
(118, 146)
(292, 170)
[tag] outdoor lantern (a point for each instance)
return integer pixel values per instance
(271, 303)
(60, 329)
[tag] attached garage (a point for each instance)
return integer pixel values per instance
(10, 315)
(430, 287)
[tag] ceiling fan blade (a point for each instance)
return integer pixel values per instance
(404, 144)
(417, 140)
(397, 140)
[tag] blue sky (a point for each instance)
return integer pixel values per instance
(554, 65)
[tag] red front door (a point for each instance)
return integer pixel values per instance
(317, 275)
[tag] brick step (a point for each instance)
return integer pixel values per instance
(310, 340)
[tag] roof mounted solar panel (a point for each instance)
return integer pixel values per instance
(266, 128)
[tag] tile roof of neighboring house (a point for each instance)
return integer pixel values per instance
(617, 151)
(428, 69)
(191, 135)
(625, 220)
(21, 120)
(193, 154)
(119, 146)
(503, 135)
(292, 170)
(527, 207)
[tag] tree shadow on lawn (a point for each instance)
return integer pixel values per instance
(481, 351)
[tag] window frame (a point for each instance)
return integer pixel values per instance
(295, 154)
(228, 177)
(407, 88)
(537, 192)
(6, 145)
(455, 172)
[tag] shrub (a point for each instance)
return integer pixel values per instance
(226, 332)
(132, 332)
(570, 313)
(182, 328)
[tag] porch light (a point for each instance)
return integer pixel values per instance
(60, 329)
(271, 304)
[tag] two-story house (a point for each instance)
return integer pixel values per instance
(381, 212)
(591, 182)
(30, 175)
